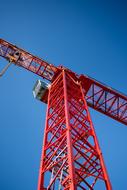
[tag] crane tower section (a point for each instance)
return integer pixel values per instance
(71, 157)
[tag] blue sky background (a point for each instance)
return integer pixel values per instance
(88, 37)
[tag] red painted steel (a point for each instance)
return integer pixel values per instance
(27, 60)
(71, 157)
(98, 96)
(105, 99)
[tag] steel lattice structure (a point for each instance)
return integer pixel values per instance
(71, 156)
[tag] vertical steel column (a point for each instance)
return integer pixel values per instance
(71, 156)
(69, 136)
(105, 174)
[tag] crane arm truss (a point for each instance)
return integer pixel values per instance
(98, 96)
(27, 60)
(105, 99)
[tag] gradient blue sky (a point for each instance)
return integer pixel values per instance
(88, 37)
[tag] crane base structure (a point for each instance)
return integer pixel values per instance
(71, 156)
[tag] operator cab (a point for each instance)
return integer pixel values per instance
(40, 91)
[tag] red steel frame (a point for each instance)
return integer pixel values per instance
(98, 96)
(71, 156)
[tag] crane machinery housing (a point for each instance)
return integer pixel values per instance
(71, 156)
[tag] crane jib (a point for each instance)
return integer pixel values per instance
(98, 96)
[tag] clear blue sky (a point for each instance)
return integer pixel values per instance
(89, 37)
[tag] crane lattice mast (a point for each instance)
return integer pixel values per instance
(71, 156)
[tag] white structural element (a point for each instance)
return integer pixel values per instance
(5, 69)
(40, 89)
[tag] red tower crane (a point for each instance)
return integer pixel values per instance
(71, 156)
